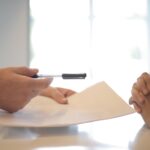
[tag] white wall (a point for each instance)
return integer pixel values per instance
(14, 27)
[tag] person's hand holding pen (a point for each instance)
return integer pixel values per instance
(141, 97)
(17, 87)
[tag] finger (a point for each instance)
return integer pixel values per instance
(146, 78)
(55, 94)
(25, 71)
(137, 107)
(130, 101)
(59, 97)
(133, 102)
(66, 92)
(40, 84)
(137, 95)
(141, 83)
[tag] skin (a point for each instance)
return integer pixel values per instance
(59, 94)
(141, 97)
(17, 88)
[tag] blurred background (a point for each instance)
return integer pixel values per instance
(107, 39)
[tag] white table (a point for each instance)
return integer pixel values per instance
(123, 133)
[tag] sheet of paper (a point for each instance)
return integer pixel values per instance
(97, 102)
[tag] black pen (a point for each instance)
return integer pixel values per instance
(64, 76)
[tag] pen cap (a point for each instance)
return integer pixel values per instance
(74, 76)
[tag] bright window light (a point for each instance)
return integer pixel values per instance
(107, 39)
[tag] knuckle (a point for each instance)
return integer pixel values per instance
(144, 74)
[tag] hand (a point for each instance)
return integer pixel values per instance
(137, 98)
(143, 109)
(58, 94)
(137, 108)
(141, 97)
(139, 91)
(146, 111)
(143, 83)
(17, 87)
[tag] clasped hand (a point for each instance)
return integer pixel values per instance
(141, 96)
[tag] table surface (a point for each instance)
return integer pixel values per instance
(122, 133)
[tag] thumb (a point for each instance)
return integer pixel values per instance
(42, 83)
(26, 71)
(137, 108)
(130, 101)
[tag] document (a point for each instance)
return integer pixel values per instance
(97, 102)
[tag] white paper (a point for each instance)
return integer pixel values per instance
(97, 102)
